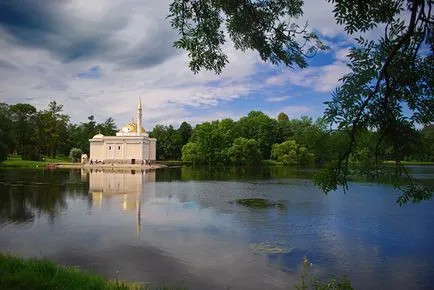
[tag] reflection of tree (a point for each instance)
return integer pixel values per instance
(232, 173)
(27, 194)
(13, 206)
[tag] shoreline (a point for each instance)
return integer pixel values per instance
(20, 273)
(108, 166)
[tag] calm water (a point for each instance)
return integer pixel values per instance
(179, 226)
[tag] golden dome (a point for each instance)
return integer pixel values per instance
(132, 128)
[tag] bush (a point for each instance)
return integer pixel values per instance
(75, 154)
(190, 153)
(245, 151)
(290, 153)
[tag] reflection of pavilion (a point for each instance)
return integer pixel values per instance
(128, 185)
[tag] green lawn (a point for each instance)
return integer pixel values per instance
(411, 162)
(15, 161)
(17, 273)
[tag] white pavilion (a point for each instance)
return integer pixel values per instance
(131, 145)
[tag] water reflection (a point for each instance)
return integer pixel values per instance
(180, 226)
(128, 184)
(24, 197)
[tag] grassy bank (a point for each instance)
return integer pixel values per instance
(15, 161)
(410, 162)
(17, 273)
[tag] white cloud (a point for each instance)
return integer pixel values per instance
(292, 111)
(320, 79)
(277, 99)
(131, 42)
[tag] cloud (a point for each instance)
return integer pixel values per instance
(7, 65)
(292, 111)
(92, 73)
(323, 79)
(132, 34)
(97, 57)
(320, 79)
(277, 99)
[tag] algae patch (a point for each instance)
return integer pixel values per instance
(265, 248)
(260, 203)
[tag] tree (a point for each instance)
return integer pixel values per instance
(213, 139)
(428, 143)
(75, 154)
(387, 74)
(6, 127)
(264, 26)
(108, 128)
(55, 127)
(24, 117)
(257, 125)
(185, 131)
(169, 142)
(4, 150)
(244, 151)
(291, 153)
(190, 153)
(282, 117)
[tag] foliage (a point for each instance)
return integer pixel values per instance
(17, 273)
(282, 117)
(213, 140)
(269, 27)
(75, 154)
(171, 140)
(389, 89)
(289, 152)
(4, 151)
(244, 151)
(6, 127)
(316, 284)
(34, 134)
(387, 75)
(190, 153)
(257, 125)
(24, 118)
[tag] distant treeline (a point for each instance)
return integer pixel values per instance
(257, 136)
(34, 134)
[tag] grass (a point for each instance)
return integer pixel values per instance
(15, 161)
(411, 162)
(17, 273)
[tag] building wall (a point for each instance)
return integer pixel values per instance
(123, 148)
(133, 151)
(152, 149)
(146, 150)
(96, 151)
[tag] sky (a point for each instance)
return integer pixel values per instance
(98, 57)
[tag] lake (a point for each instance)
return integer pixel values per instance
(182, 226)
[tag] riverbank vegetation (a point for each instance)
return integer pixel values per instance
(17, 273)
(15, 161)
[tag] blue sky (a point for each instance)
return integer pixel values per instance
(98, 57)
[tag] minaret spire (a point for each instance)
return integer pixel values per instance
(139, 117)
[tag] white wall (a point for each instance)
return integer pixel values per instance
(96, 151)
